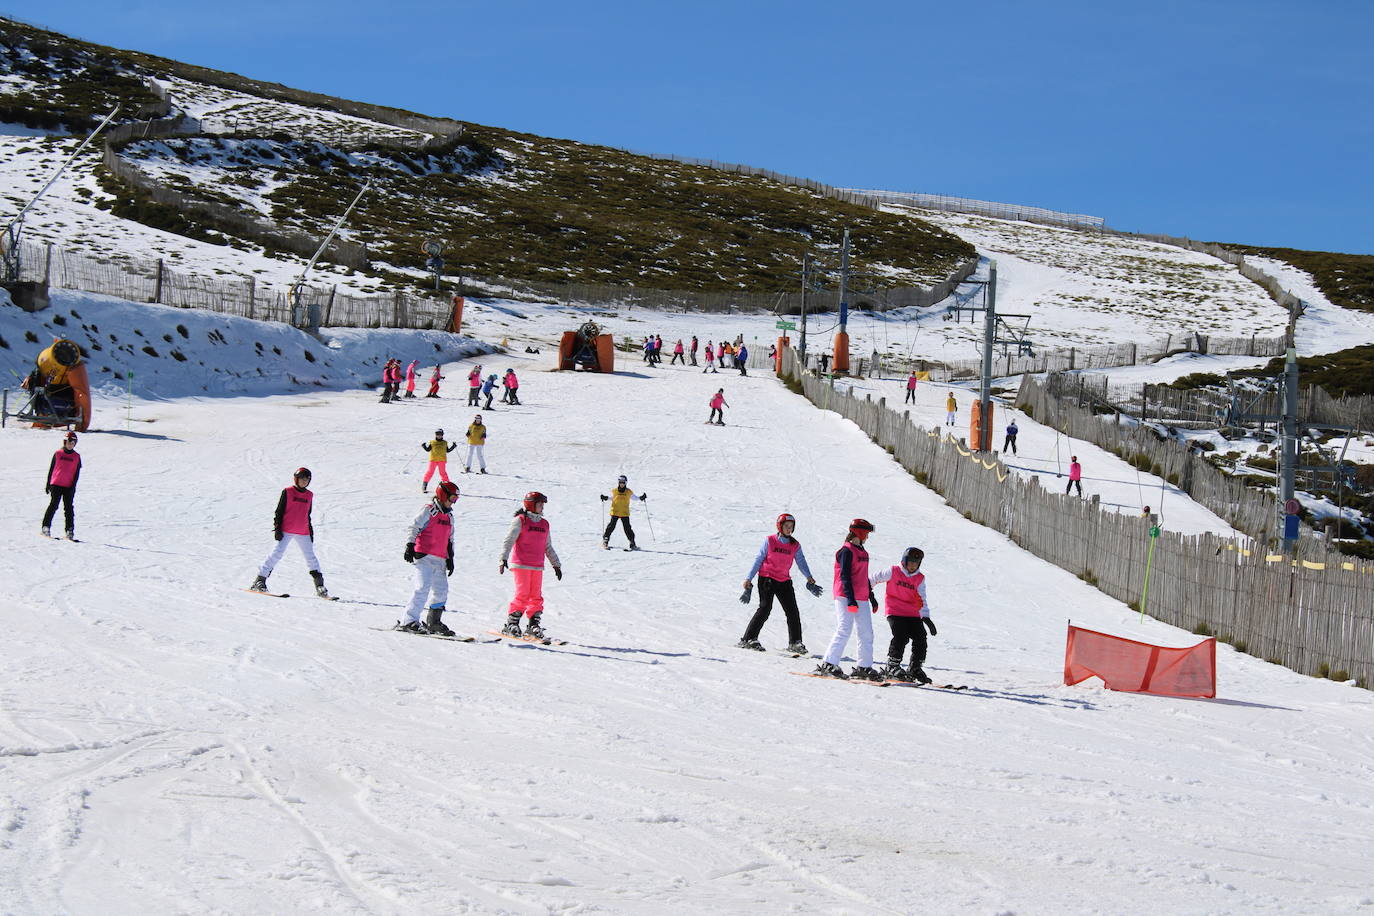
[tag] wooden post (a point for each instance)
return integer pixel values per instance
(252, 293)
(157, 287)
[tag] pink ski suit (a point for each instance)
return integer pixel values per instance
(527, 544)
(410, 378)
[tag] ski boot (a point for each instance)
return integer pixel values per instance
(605, 542)
(47, 532)
(320, 590)
(825, 669)
(434, 621)
(798, 648)
(483, 471)
(918, 675)
(259, 584)
(410, 626)
(534, 629)
(512, 627)
(634, 546)
(71, 534)
(864, 674)
(747, 643)
(424, 486)
(895, 672)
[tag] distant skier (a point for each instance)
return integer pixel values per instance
(678, 356)
(658, 349)
(911, 388)
(528, 543)
(429, 545)
(825, 363)
(474, 385)
(710, 359)
(693, 350)
(851, 592)
(513, 385)
(489, 389)
(292, 525)
(620, 511)
(410, 378)
(773, 566)
(64, 470)
(718, 405)
(386, 382)
(742, 359)
(908, 615)
(477, 441)
(1075, 476)
(434, 381)
(951, 409)
(438, 459)
(1010, 444)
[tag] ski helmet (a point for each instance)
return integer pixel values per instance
(303, 472)
(786, 517)
(913, 555)
(534, 497)
(70, 437)
(861, 528)
(438, 434)
(622, 479)
(448, 490)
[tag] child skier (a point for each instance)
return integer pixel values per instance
(434, 381)
(474, 385)
(710, 359)
(620, 512)
(410, 378)
(678, 354)
(1010, 444)
(851, 591)
(292, 525)
(951, 409)
(527, 544)
(717, 402)
(489, 389)
(908, 615)
(64, 470)
(911, 388)
(773, 566)
(477, 440)
(429, 545)
(1075, 476)
(438, 459)
(513, 384)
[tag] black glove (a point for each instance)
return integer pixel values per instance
(643, 496)
(930, 625)
(410, 552)
(503, 568)
(747, 593)
(277, 534)
(814, 589)
(47, 489)
(558, 573)
(448, 565)
(605, 498)
(873, 600)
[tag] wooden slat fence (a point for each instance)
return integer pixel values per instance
(1315, 621)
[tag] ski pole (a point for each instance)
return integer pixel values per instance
(650, 519)
(409, 462)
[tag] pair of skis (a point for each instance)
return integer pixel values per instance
(253, 591)
(882, 683)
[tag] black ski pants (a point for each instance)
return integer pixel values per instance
(910, 396)
(1072, 484)
(65, 496)
(677, 358)
(787, 597)
(904, 630)
(624, 520)
(1009, 445)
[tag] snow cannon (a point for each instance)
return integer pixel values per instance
(587, 349)
(58, 391)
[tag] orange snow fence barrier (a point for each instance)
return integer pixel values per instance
(1137, 667)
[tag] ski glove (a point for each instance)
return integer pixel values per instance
(558, 573)
(814, 589)
(643, 496)
(605, 498)
(930, 625)
(504, 567)
(47, 488)
(410, 552)
(448, 565)
(276, 532)
(747, 594)
(873, 600)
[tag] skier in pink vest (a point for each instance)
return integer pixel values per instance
(678, 351)
(773, 566)
(717, 402)
(1075, 476)
(292, 525)
(410, 378)
(391, 380)
(908, 615)
(64, 470)
(474, 385)
(911, 388)
(512, 386)
(434, 381)
(528, 543)
(851, 592)
(429, 545)
(710, 359)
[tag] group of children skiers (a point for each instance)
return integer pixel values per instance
(724, 353)
(392, 376)
(479, 386)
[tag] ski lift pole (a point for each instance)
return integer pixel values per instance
(1149, 562)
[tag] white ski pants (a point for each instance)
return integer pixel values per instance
(303, 541)
(844, 625)
(431, 576)
(476, 450)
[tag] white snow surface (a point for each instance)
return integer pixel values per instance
(171, 743)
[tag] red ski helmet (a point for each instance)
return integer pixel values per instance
(534, 497)
(70, 437)
(861, 528)
(448, 491)
(303, 472)
(786, 517)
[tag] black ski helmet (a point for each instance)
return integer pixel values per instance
(303, 472)
(438, 434)
(913, 555)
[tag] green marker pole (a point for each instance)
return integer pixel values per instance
(1149, 562)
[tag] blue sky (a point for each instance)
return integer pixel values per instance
(1246, 122)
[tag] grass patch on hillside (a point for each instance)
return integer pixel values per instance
(1346, 279)
(1341, 374)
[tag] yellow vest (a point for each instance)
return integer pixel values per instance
(951, 404)
(438, 450)
(620, 501)
(477, 434)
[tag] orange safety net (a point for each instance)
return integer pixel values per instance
(1137, 667)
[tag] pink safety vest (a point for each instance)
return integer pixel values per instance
(434, 537)
(1075, 471)
(295, 519)
(858, 568)
(718, 400)
(903, 599)
(530, 543)
(911, 383)
(710, 354)
(410, 373)
(512, 381)
(64, 468)
(777, 563)
(474, 380)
